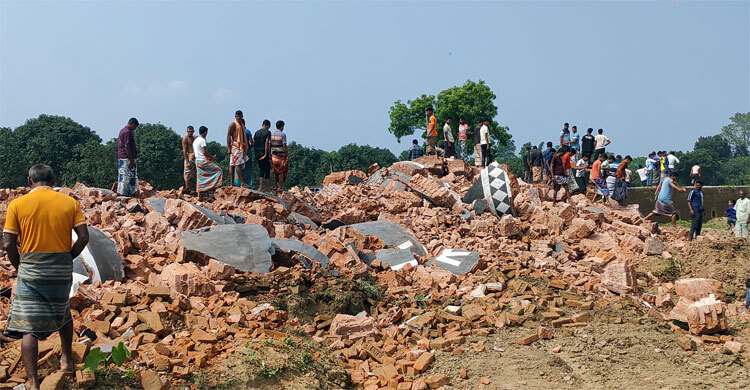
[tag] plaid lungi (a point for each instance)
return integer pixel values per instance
(209, 175)
(665, 209)
(238, 156)
(41, 304)
(279, 163)
(127, 178)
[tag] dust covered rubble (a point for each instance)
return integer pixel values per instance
(445, 271)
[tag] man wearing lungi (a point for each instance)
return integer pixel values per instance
(188, 160)
(37, 239)
(664, 205)
(209, 175)
(279, 156)
(237, 148)
(127, 153)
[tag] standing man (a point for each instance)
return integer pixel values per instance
(279, 155)
(600, 143)
(37, 240)
(548, 154)
(664, 205)
(535, 162)
(262, 145)
(695, 173)
(188, 160)
(651, 163)
(695, 204)
(127, 153)
(587, 143)
(449, 140)
(672, 161)
(431, 131)
(565, 138)
(600, 183)
(559, 177)
(484, 142)
(582, 173)
(463, 130)
(209, 175)
(620, 193)
(575, 138)
(237, 148)
(742, 211)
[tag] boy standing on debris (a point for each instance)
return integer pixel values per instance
(262, 146)
(559, 176)
(587, 143)
(37, 240)
(449, 140)
(695, 204)
(279, 155)
(731, 216)
(535, 161)
(664, 205)
(416, 151)
(484, 142)
(600, 143)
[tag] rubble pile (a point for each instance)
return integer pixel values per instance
(200, 278)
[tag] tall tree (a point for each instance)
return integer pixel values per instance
(737, 132)
(12, 168)
(716, 145)
(51, 140)
(360, 157)
(159, 155)
(472, 101)
(93, 164)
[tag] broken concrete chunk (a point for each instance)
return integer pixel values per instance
(287, 247)
(100, 257)
(245, 247)
(392, 234)
(457, 261)
(697, 288)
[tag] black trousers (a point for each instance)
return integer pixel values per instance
(697, 225)
(485, 155)
(597, 152)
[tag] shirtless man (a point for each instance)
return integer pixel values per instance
(188, 160)
(237, 144)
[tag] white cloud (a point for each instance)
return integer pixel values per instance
(156, 89)
(221, 94)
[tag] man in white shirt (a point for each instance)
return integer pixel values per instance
(209, 175)
(672, 161)
(484, 142)
(582, 173)
(600, 143)
(449, 140)
(742, 208)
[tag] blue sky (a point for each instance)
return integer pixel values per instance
(654, 75)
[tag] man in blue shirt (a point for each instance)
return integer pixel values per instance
(548, 154)
(416, 151)
(575, 138)
(664, 205)
(695, 203)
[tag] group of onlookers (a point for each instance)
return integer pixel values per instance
(268, 149)
(451, 148)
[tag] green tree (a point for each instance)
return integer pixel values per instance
(736, 171)
(715, 145)
(12, 169)
(408, 117)
(159, 155)
(737, 133)
(472, 101)
(307, 166)
(360, 157)
(93, 164)
(51, 140)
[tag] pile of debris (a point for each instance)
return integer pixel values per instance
(454, 250)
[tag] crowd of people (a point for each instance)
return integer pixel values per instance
(451, 148)
(265, 148)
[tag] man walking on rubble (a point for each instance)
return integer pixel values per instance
(188, 160)
(664, 205)
(127, 153)
(742, 211)
(38, 243)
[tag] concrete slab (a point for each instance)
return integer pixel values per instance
(157, 204)
(246, 247)
(100, 257)
(393, 235)
(285, 247)
(457, 261)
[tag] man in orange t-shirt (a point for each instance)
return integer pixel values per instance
(432, 133)
(37, 239)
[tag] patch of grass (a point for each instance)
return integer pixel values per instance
(669, 271)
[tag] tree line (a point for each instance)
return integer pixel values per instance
(78, 154)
